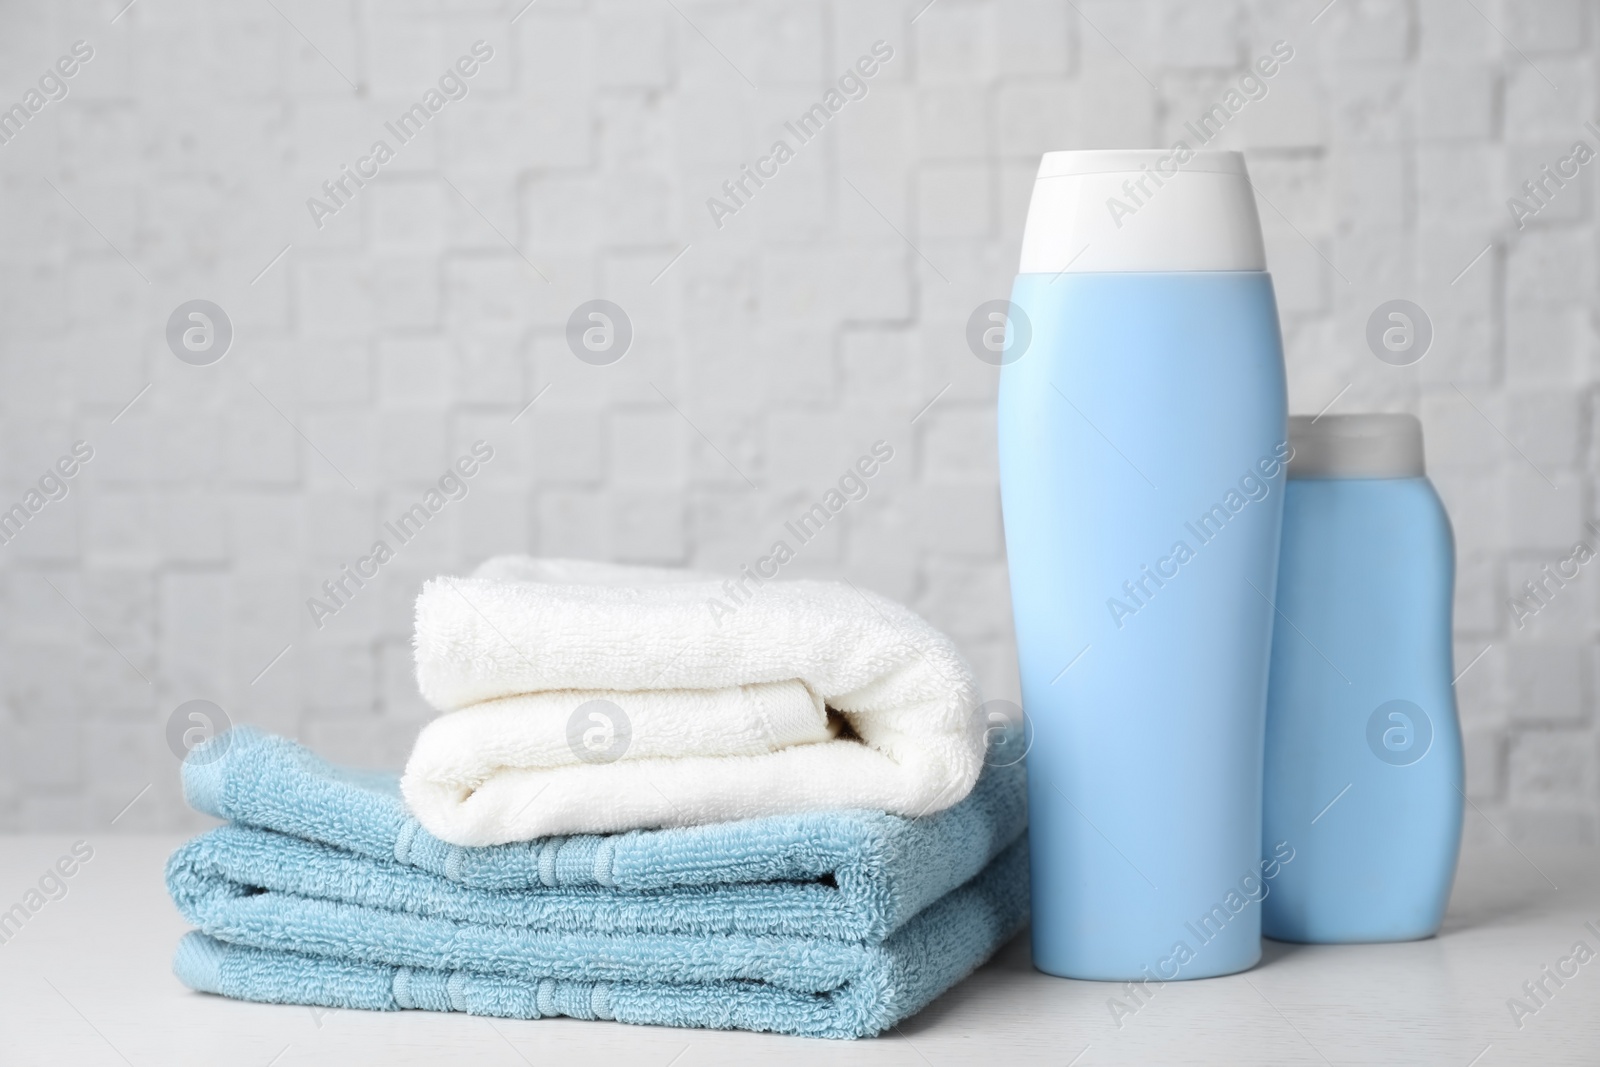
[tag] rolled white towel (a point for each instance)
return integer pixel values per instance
(544, 664)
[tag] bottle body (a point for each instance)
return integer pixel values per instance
(1363, 757)
(1142, 442)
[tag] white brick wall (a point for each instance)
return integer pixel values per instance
(824, 315)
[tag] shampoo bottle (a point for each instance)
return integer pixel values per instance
(1142, 440)
(1363, 756)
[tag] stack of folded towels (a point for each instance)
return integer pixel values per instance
(633, 807)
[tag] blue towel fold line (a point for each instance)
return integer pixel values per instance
(323, 890)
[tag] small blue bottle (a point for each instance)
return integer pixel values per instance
(1363, 769)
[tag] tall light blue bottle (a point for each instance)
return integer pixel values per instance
(1363, 756)
(1142, 437)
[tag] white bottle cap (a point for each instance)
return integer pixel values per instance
(1355, 446)
(1142, 210)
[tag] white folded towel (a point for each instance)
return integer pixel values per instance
(595, 698)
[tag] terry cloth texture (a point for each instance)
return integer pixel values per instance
(324, 891)
(574, 727)
(714, 714)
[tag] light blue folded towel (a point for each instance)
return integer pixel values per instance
(323, 890)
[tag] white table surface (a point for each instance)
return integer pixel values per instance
(88, 981)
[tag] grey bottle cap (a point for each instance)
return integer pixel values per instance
(1355, 446)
